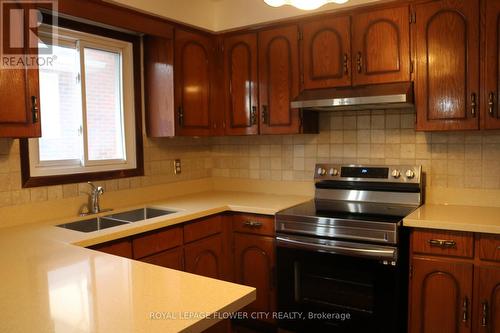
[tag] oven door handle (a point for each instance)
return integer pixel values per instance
(335, 248)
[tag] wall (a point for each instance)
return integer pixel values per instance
(221, 15)
(159, 155)
(450, 160)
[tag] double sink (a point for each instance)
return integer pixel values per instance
(114, 220)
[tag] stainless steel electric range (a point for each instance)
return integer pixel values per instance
(342, 258)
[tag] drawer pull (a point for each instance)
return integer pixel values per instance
(444, 244)
(484, 318)
(465, 310)
(252, 224)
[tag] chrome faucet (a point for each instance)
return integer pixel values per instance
(93, 206)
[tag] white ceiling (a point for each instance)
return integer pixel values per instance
(222, 15)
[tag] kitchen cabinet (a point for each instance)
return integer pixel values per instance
(488, 311)
(170, 259)
(254, 258)
(446, 41)
(381, 46)
(205, 257)
(241, 84)
(326, 53)
(19, 91)
(121, 248)
(193, 68)
(490, 112)
(279, 83)
(441, 296)
(454, 282)
(156, 241)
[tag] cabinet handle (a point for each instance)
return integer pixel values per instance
(484, 317)
(253, 116)
(181, 116)
(346, 68)
(442, 243)
(465, 310)
(359, 62)
(253, 224)
(35, 110)
(491, 103)
(473, 104)
(265, 116)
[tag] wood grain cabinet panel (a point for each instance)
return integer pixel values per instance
(279, 80)
(254, 266)
(444, 243)
(326, 53)
(170, 259)
(446, 39)
(194, 56)
(121, 248)
(201, 228)
(19, 89)
(490, 114)
(241, 84)
(205, 257)
(157, 241)
(488, 312)
(489, 247)
(254, 224)
(441, 297)
(381, 46)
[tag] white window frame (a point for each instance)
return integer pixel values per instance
(82, 40)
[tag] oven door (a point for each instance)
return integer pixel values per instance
(337, 292)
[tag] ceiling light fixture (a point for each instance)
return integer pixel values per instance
(302, 4)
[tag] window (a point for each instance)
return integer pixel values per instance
(88, 113)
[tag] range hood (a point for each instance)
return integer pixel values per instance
(379, 96)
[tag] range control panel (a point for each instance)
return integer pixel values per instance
(386, 173)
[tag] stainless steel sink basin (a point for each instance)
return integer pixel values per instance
(139, 214)
(95, 224)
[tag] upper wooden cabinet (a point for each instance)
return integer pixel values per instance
(19, 94)
(326, 53)
(490, 114)
(279, 80)
(241, 85)
(381, 46)
(446, 40)
(194, 57)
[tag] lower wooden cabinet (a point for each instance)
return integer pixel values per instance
(254, 263)
(488, 310)
(121, 248)
(455, 283)
(170, 259)
(441, 296)
(205, 257)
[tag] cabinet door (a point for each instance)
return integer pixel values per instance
(170, 259)
(446, 36)
(194, 56)
(279, 80)
(240, 64)
(121, 248)
(205, 257)
(490, 111)
(381, 46)
(19, 90)
(440, 296)
(326, 53)
(488, 318)
(254, 266)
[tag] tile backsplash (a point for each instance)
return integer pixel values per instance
(450, 159)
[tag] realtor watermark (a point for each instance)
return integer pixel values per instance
(292, 315)
(21, 42)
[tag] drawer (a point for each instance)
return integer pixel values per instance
(170, 259)
(121, 248)
(447, 243)
(202, 228)
(157, 241)
(254, 224)
(489, 247)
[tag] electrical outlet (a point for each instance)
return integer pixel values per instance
(177, 167)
